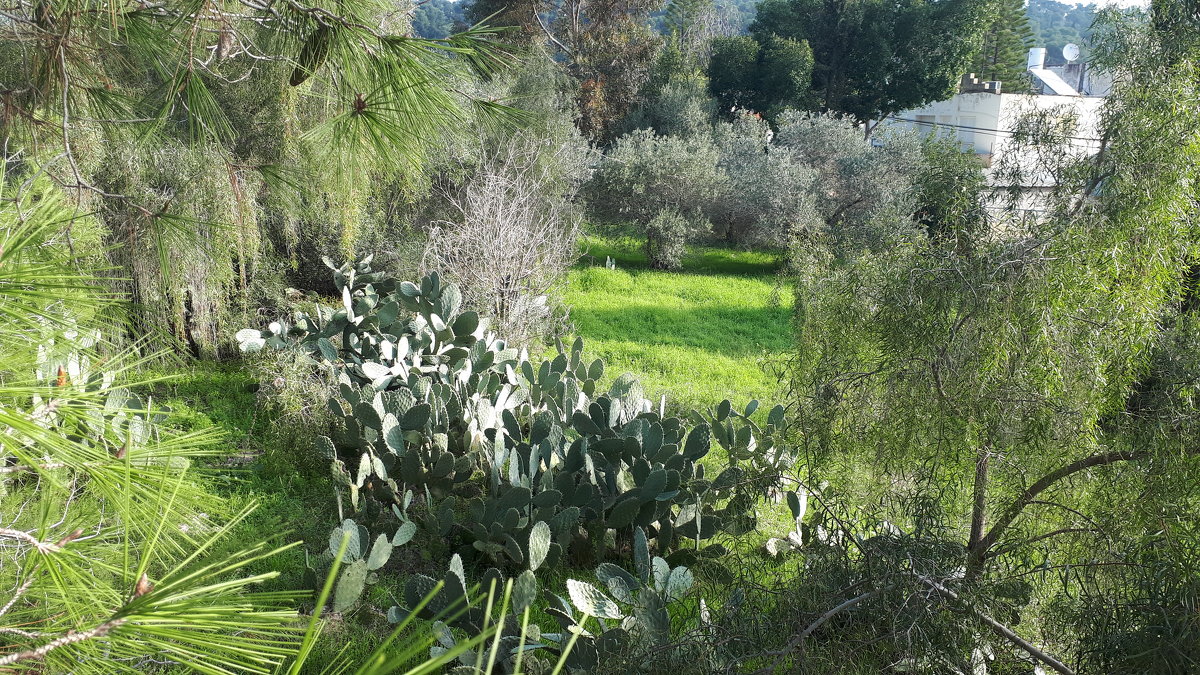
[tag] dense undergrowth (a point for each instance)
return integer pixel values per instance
(724, 310)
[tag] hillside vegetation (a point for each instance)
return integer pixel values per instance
(596, 338)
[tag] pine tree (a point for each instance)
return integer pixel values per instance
(1005, 45)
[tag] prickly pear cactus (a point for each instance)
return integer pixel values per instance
(427, 400)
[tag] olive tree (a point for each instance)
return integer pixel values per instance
(646, 174)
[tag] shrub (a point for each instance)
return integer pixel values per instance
(646, 174)
(680, 107)
(514, 234)
(769, 194)
(666, 236)
(866, 196)
(950, 194)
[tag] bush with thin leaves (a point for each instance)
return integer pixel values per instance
(771, 193)
(666, 238)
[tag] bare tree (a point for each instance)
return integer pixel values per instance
(514, 234)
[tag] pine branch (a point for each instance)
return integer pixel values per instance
(17, 595)
(68, 639)
(1002, 630)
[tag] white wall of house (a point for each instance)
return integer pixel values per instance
(983, 122)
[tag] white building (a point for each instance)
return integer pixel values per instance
(983, 119)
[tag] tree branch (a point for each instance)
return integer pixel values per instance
(68, 639)
(42, 546)
(798, 641)
(1002, 630)
(17, 595)
(1046, 482)
(549, 34)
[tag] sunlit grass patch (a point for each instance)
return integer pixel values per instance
(705, 333)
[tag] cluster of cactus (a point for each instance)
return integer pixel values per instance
(123, 426)
(793, 540)
(451, 604)
(745, 441)
(361, 557)
(631, 610)
(609, 465)
(427, 400)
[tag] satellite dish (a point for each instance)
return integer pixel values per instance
(1070, 51)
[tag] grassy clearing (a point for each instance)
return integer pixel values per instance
(708, 332)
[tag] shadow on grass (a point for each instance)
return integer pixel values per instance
(727, 330)
(626, 251)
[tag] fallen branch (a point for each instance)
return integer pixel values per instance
(1002, 630)
(797, 643)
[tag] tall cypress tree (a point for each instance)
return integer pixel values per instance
(1005, 45)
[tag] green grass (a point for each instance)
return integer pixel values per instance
(699, 335)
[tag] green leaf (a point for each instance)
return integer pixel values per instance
(524, 591)
(465, 324)
(723, 410)
(416, 417)
(350, 585)
(620, 583)
(328, 351)
(697, 443)
(374, 371)
(404, 534)
(797, 507)
(679, 581)
(381, 550)
(589, 600)
(623, 513)
(641, 554)
(539, 544)
(354, 546)
(775, 417)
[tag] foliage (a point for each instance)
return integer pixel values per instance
(109, 551)
(438, 19)
(950, 192)
(866, 193)
(427, 401)
(768, 73)
(1006, 43)
(732, 69)
(607, 47)
(1010, 377)
(514, 235)
(674, 100)
(666, 235)
(770, 193)
(217, 145)
(873, 58)
(645, 174)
